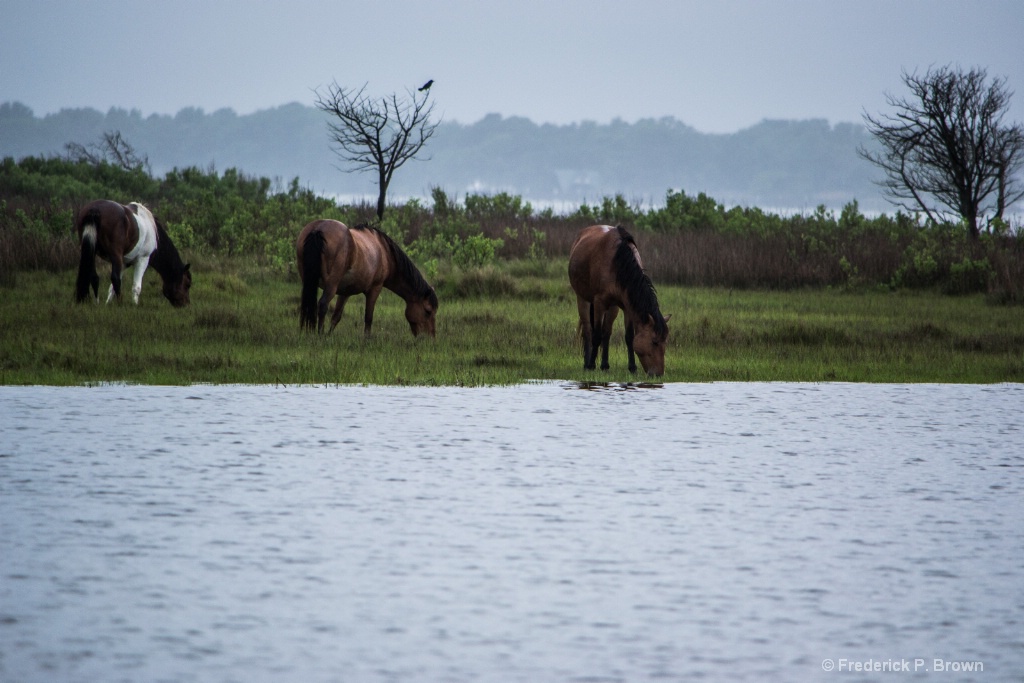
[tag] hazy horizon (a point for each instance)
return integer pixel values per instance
(717, 67)
(207, 112)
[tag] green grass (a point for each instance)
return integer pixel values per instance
(500, 325)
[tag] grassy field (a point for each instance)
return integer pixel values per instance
(505, 324)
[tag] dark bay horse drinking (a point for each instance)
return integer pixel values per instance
(127, 235)
(344, 261)
(607, 274)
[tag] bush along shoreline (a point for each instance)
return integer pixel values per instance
(690, 240)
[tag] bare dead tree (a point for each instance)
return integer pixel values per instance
(377, 134)
(946, 148)
(112, 148)
(1010, 159)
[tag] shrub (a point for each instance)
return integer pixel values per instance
(500, 208)
(692, 240)
(612, 211)
(476, 251)
(968, 277)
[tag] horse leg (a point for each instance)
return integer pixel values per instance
(140, 273)
(596, 334)
(586, 312)
(606, 335)
(116, 273)
(630, 332)
(595, 337)
(339, 308)
(321, 309)
(596, 321)
(371, 302)
(607, 321)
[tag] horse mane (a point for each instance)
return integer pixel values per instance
(405, 269)
(166, 260)
(632, 278)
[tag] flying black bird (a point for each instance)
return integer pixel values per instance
(426, 86)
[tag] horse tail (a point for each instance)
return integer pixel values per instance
(312, 257)
(87, 262)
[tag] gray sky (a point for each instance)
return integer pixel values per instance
(717, 65)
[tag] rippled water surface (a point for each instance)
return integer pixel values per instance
(544, 532)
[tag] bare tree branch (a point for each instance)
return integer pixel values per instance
(946, 149)
(112, 148)
(377, 135)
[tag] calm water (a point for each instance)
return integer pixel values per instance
(758, 532)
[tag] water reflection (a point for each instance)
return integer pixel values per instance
(613, 386)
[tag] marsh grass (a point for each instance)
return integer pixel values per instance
(242, 327)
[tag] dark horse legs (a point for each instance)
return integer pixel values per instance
(603, 322)
(116, 271)
(629, 346)
(602, 343)
(599, 339)
(591, 341)
(595, 339)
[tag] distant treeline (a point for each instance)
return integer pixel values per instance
(688, 239)
(779, 164)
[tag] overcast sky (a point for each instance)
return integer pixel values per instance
(717, 65)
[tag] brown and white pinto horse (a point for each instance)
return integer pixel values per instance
(344, 261)
(127, 235)
(607, 274)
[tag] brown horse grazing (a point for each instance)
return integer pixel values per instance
(127, 235)
(606, 273)
(346, 261)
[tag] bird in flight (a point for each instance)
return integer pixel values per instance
(426, 86)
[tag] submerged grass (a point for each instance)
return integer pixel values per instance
(502, 325)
